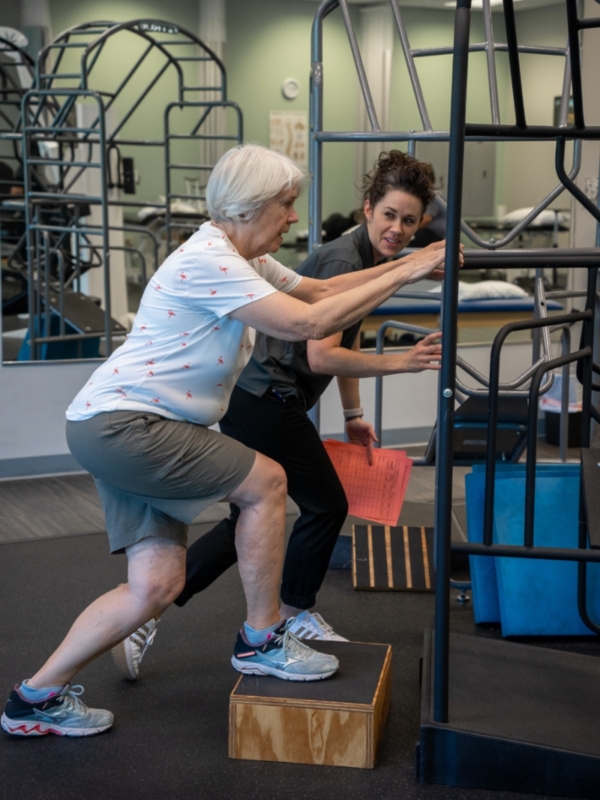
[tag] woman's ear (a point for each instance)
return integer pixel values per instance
(367, 210)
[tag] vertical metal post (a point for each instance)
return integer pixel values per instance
(564, 406)
(360, 69)
(167, 166)
(443, 512)
(412, 69)
(30, 236)
(105, 226)
(490, 53)
(315, 154)
(575, 57)
(536, 333)
(587, 341)
(513, 60)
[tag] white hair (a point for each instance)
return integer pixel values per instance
(248, 177)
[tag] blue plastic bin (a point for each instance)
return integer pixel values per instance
(529, 597)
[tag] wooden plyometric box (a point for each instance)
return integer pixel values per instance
(336, 722)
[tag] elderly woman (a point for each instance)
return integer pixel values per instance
(141, 427)
(284, 379)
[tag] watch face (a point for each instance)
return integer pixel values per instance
(290, 88)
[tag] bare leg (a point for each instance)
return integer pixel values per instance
(156, 575)
(289, 611)
(259, 539)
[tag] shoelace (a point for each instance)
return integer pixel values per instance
(325, 626)
(71, 701)
(294, 646)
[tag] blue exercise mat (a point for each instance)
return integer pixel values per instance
(529, 597)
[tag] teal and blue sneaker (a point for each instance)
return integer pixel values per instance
(64, 714)
(284, 656)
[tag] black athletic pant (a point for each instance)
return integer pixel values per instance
(280, 430)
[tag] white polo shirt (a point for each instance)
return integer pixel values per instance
(184, 353)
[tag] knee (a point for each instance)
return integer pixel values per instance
(278, 481)
(157, 592)
(273, 481)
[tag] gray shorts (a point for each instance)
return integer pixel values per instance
(155, 475)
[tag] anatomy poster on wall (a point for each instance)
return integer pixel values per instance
(288, 134)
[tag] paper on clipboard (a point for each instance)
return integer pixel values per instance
(374, 492)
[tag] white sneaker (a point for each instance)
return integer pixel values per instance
(313, 626)
(128, 653)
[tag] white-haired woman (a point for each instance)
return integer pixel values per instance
(141, 427)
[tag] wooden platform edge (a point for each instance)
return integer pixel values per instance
(382, 701)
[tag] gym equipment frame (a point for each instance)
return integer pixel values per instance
(499, 715)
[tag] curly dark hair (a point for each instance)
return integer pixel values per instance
(397, 170)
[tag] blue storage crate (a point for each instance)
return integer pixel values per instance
(486, 606)
(529, 597)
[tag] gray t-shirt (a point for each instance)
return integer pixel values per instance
(284, 365)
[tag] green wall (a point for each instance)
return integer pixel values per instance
(269, 41)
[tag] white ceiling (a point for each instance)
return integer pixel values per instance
(520, 5)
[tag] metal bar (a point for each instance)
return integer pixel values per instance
(65, 229)
(63, 163)
(475, 132)
(139, 142)
(68, 337)
(52, 129)
(499, 46)
(410, 65)
(61, 294)
(587, 366)
(491, 62)
(564, 406)
(46, 283)
(565, 94)
(518, 551)
(588, 413)
(187, 136)
(315, 150)
(530, 132)
(575, 55)
(590, 22)
(513, 60)
(105, 230)
(447, 382)
(186, 196)
(200, 89)
(360, 69)
(31, 244)
(46, 197)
